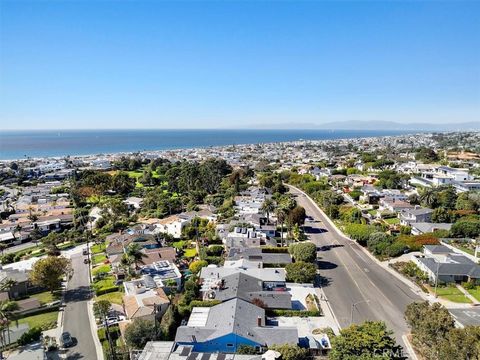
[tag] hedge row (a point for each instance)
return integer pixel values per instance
(292, 313)
(275, 250)
(106, 290)
(206, 303)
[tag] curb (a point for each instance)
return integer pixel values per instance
(98, 345)
(414, 287)
(409, 347)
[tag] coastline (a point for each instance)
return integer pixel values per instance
(263, 137)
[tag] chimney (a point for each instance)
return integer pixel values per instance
(259, 321)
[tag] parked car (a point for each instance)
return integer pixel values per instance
(111, 320)
(85, 251)
(66, 340)
(86, 261)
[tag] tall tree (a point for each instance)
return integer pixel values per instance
(370, 340)
(267, 208)
(48, 272)
(135, 253)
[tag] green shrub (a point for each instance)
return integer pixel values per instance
(196, 266)
(274, 250)
(101, 333)
(215, 250)
(306, 252)
(301, 272)
(30, 336)
(293, 313)
(216, 260)
(106, 290)
(360, 232)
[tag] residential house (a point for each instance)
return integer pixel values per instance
(226, 326)
(394, 206)
(144, 298)
(258, 254)
(163, 272)
(167, 350)
(442, 264)
(173, 225)
(427, 227)
(272, 277)
(415, 215)
(22, 284)
(248, 288)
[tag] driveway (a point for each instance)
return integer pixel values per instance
(76, 320)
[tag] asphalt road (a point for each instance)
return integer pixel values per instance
(76, 320)
(353, 281)
(468, 316)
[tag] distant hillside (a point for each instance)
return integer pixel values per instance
(375, 125)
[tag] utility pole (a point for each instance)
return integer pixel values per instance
(436, 280)
(155, 320)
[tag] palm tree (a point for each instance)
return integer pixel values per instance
(267, 207)
(3, 247)
(6, 312)
(135, 253)
(429, 197)
(281, 216)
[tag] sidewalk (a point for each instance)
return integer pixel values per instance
(468, 295)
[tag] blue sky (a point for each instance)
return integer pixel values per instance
(152, 64)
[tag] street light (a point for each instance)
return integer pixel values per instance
(353, 306)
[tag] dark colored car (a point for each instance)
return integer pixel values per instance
(66, 340)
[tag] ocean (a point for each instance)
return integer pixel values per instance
(16, 144)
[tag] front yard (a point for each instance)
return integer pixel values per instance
(475, 292)
(46, 297)
(99, 258)
(453, 294)
(44, 321)
(113, 297)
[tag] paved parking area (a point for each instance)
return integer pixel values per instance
(469, 316)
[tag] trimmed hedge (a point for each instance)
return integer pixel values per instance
(206, 303)
(275, 250)
(292, 313)
(106, 290)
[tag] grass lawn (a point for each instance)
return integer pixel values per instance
(465, 249)
(46, 297)
(98, 248)
(106, 282)
(392, 221)
(452, 294)
(102, 269)
(189, 253)
(99, 258)
(179, 244)
(113, 297)
(475, 292)
(45, 321)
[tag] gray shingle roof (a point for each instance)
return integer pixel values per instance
(239, 317)
(249, 288)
